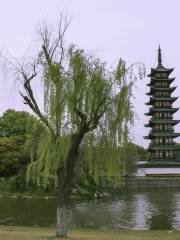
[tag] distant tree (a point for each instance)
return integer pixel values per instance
(9, 157)
(84, 103)
(142, 153)
(15, 131)
(13, 123)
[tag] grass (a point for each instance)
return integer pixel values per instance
(29, 233)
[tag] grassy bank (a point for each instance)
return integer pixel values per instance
(29, 233)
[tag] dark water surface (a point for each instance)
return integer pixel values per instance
(152, 209)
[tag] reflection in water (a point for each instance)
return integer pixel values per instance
(161, 217)
(153, 209)
(142, 213)
(176, 211)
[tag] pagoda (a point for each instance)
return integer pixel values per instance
(162, 146)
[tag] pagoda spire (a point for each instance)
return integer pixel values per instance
(159, 57)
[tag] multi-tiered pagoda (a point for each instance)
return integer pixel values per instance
(162, 146)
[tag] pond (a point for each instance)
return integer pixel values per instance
(152, 209)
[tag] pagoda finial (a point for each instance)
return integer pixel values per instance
(159, 57)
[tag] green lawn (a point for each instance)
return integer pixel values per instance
(29, 233)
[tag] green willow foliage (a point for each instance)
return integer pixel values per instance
(81, 85)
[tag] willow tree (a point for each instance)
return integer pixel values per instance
(83, 102)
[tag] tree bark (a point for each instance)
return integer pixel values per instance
(65, 180)
(61, 225)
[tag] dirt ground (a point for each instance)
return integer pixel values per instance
(29, 233)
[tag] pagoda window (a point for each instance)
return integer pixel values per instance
(157, 127)
(157, 154)
(160, 154)
(157, 75)
(158, 94)
(163, 75)
(167, 154)
(160, 75)
(166, 104)
(156, 104)
(160, 140)
(157, 140)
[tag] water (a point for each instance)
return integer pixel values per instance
(152, 209)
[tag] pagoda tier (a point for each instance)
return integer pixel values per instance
(161, 112)
(165, 89)
(162, 135)
(153, 122)
(163, 99)
(159, 80)
(160, 69)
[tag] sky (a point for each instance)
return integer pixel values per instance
(130, 29)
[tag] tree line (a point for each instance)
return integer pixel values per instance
(19, 144)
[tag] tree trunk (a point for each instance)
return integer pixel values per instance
(61, 225)
(66, 179)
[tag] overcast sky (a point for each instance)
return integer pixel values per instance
(131, 29)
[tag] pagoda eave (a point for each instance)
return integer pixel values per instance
(163, 134)
(170, 110)
(165, 121)
(163, 147)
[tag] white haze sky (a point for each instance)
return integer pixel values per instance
(131, 29)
